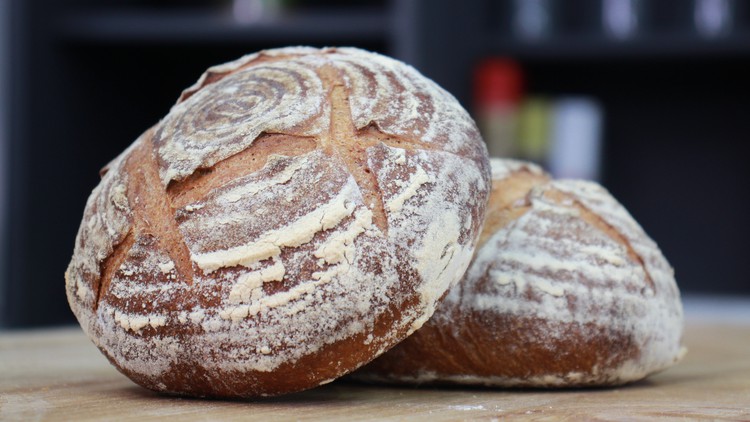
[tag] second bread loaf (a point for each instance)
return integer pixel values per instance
(565, 290)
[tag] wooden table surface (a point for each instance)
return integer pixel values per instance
(60, 375)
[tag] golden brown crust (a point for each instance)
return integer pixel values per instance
(152, 207)
(502, 207)
(477, 353)
(200, 183)
(275, 230)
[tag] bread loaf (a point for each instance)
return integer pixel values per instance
(297, 213)
(565, 290)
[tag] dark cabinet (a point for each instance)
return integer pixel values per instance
(89, 76)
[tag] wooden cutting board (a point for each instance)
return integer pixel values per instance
(60, 375)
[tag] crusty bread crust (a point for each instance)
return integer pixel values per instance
(297, 213)
(565, 290)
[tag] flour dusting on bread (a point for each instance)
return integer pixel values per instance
(299, 266)
(567, 290)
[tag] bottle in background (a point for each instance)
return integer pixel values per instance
(533, 19)
(498, 88)
(623, 19)
(534, 130)
(254, 11)
(576, 139)
(713, 18)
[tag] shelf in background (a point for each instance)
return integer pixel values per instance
(646, 47)
(218, 26)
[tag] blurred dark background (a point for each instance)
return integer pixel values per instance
(655, 94)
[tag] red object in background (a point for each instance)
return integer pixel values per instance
(498, 90)
(497, 81)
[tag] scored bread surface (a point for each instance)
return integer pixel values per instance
(297, 213)
(565, 290)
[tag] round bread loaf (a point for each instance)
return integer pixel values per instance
(565, 290)
(297, 213)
